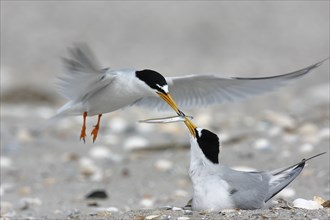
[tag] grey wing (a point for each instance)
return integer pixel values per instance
(248, 189)
(83, 75)
(202, 90)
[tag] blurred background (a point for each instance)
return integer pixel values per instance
(146, 166)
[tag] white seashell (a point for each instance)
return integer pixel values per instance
(147, 202)
(177, 209)
(163, 165)
(306, 204)
(5, 162)
(150, 217)
(108, 209)
(306, 148)
(136, 143)
(287, 193)
(183, 218)
(99, 152)
(262, 144)
(228, 210)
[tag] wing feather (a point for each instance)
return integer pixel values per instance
(203, 90)
(83, 75)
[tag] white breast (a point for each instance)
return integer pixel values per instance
(211, 193)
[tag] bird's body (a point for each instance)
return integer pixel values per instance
(122, 90)
(217, 187)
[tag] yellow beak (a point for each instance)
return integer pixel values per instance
(191, 126)
(169, 100)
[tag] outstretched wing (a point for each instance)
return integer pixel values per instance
(202, 90)
(83, 76)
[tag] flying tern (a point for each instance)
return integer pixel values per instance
(93, 90)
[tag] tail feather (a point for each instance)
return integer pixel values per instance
(281, 179)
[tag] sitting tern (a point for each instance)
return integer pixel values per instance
(92, 90)
(217, 187)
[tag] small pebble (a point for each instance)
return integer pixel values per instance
(183, 218)
(163, 165)
(24, 135)
(306, 204)
(25, 190)
(274, 131)
(26, 203)
(188, 212)
(281, 120)
(89, 170)
(136, 143)
(308, 129)
(97, 194)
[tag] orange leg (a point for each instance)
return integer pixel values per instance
(83, 129)
(96, 128)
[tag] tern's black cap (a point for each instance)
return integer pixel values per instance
(209, 143)
(152, 78)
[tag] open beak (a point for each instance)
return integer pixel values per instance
(169, 100)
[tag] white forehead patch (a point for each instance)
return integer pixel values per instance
(199, 131)
(165, 88)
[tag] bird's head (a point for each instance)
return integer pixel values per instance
(209, 143)
(157, 83)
